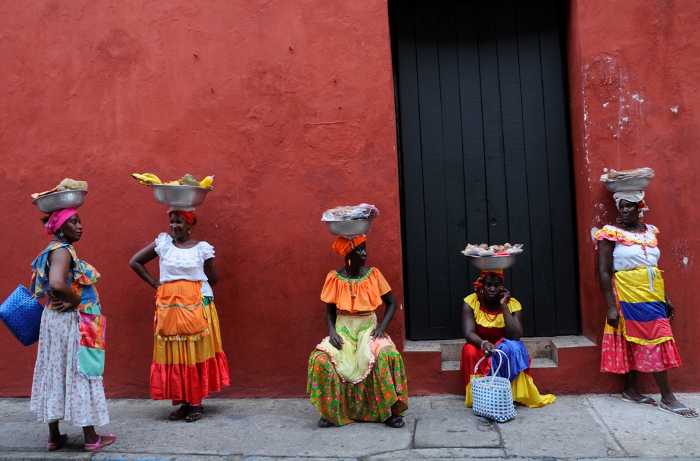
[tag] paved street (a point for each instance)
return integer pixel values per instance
(440, 428)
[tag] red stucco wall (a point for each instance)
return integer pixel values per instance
(633, 71)
(289, 103)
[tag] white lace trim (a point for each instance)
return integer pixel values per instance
(170, 255)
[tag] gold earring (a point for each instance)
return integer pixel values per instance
(618, 220)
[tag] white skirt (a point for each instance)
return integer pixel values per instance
(59, 392)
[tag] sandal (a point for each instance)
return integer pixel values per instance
(180, 413)
(676, 411)
(395, 422)
(643, 401)
(53, 446)
(97, 445)
(323, 422)
(194, 415)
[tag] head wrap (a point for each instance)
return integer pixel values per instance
(634, 196)
(343, 245)
(57, 218)
(479, 284)
(187, 214)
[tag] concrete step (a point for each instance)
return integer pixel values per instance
(453, 365)
(544, 350)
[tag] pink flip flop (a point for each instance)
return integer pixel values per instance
(97, 445)
(53, 446)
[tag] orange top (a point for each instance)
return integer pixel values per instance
(368, 291)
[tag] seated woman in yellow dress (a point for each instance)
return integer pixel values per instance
(487, 324)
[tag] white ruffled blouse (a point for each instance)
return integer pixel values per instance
(183, 264)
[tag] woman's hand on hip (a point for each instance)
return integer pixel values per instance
(156, 284)
(62, 306)
(336, 340)
(613, 317)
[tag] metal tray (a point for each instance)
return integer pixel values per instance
(166, 194)
(350, 227)
(57, 200)
(492, 262)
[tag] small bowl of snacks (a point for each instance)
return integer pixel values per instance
(492, 257)
(348, 221)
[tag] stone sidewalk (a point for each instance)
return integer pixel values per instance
(439, 428)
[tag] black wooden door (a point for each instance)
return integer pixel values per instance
(484, 156)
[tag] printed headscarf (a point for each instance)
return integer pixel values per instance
(479, 284)
(343, 245)
(634, 196)
(187, 214)
(57, 218)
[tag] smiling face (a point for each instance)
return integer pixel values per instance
(492, 287)
(629, 212)
(179, 228)
(358, 256)
(72, 229)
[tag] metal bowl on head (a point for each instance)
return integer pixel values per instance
(489, 263)
(57, 200)
(350, 227)
(179, 195)
(619, 185)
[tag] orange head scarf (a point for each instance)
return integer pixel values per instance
(343, 245)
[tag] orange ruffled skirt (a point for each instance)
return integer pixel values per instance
(188, 370)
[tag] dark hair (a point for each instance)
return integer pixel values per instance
(46, 218)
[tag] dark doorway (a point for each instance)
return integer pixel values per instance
(484, 157)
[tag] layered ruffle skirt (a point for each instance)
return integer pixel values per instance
(188, 369)
(643, 340)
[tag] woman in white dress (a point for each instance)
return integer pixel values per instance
(67, 376)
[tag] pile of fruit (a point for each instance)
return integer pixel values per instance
(148, 179)
(66, 184)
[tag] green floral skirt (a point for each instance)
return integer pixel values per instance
(381, 394)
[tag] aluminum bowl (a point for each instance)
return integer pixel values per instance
(57, 200)
(179, 195)
(619, 185)
(350, 227)
(487, 263)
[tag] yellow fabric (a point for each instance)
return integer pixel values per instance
(632, 286)
(473, 301)
(191, 352)
(354, 361)
(368, 291)
(524, 391)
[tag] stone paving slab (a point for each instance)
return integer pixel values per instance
(564, 429)
(457, 429)
(644, 431)
(439, 453)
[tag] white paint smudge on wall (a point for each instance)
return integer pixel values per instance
(674, 109)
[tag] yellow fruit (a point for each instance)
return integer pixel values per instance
(174, 183)
(147, 178)
(206, 182)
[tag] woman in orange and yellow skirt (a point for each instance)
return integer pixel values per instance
(492, 319)
(188, 359)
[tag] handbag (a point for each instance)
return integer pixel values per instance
(21, 314)
(492, 395)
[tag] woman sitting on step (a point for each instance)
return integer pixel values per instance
(488, 325)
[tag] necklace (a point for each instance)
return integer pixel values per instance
(490, 316)
(350, 284)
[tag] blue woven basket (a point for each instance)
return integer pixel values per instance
(21, 314)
